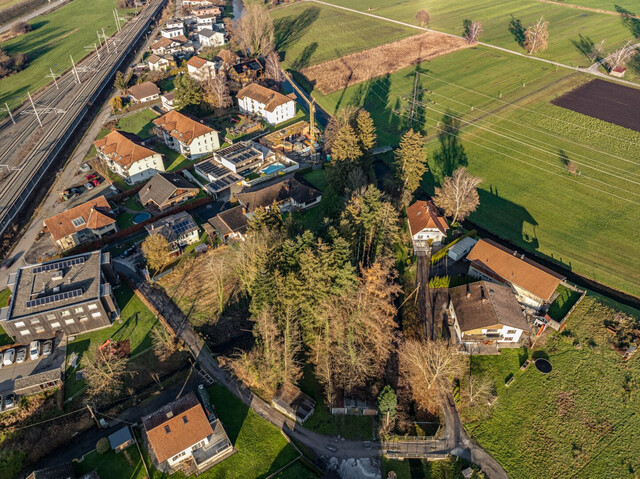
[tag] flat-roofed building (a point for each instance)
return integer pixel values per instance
(73, 295)
(242, 156)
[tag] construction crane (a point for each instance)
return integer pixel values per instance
(312, 113)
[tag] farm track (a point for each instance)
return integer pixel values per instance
(586, 9)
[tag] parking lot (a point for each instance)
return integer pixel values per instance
(8, 374)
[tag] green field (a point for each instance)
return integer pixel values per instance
(55, 36)
(565, 24)
(139, 123)
(609, 5)
(527, 194)
(579, 421)
(308, 34)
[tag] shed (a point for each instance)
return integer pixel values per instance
(461, 248)
(121, 439)
(292, 402)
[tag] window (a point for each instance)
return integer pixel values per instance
(20, 324)
(511, 331)
(39, 329)
(55, 325)
(96, 315)
(69, 321)
(167, 430)
(79, 310)
(92, 306)
(184, 419)
(35, 321)
(51, 317)
(77, 222)
(24, 332)
(65, 313)
(83, 318)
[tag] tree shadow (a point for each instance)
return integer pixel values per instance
(629, 20)
(517, 30)
(289, 30)
(539, 354)
(586, 46)
(634, 63)
(303, 59)
(564, 159)
(451, 154)
(523, 355)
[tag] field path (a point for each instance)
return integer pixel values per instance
(36, 13)
(590, 70)
(588, 9)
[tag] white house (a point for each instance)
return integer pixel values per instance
(533, 284)
(211, 38)
(183, 435)
(144, 92)
(484, 312)
(126, 155)
(174, 23)
(200, 69)
(177, 45)
(205, 22)
(159, 63)
(428, 227)
(186, 135)
(168, 100)
(180, 230)
(172, 32)
(272, 106)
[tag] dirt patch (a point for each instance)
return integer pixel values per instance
(607, 101)
(352, 69)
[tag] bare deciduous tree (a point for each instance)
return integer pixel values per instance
(165, 344)
(473, 32)
(477, 391)
(254, 30)
(216, 91)
(272, 68)
(597, 52)
(458, 195)
(423, 17)
(536, 36)
(104, 373)
(429, 367)
(621, 56)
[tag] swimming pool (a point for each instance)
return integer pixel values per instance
(272, 168)
(140, 217)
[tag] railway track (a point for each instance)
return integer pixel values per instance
(28, 150)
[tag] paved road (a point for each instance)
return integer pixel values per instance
(36, 13)
(27, 150)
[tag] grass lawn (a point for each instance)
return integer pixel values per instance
(55, 36)
(132, 203)
(139, 123)
(125, 219)
(5, 294)
(297, 470)
(308, 34)
(578, 421)
(322, 421)
(316, 178)
(565, 24)
(172, 159)
(518, 145)
(137, 322)
(563, 303)
(127, 464)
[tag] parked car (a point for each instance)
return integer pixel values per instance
(8, 262)
(88, 186)
(90, 177)
(9, 356)
(1, 360)
(114, 189)
(85, 167)
(95, 182)
(9, 401)
(22, 354)
(47, 346)
(34, 350)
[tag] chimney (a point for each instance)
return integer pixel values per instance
(522, 256)
(468, 291)
(515, 253)
(483, 295)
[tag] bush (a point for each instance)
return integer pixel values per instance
(21, 28)
(103, 446)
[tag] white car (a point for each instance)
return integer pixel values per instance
(88, 186)
(22, 354)
(47, 346)
(9, 356)
(34, 350)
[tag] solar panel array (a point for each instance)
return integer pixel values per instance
(54, 297)
(213, 169)
(183, 226)
(58, 265)
(223, 183)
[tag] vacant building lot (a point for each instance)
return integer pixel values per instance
(352, 69)
(606, 101)
(307, 34)
(524, 148)
(580, 420)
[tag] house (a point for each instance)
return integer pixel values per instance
(207, 10)
(177, 45)
(618, 72)
(292, 402)
(200, 69)
(272, 106)
(160, 63)
(196, 3)
(221, 178)
(126, 155)
(428, 227)
(533, 284)
(88, 221)
(72, 295)
(167, 100)
(121, 439)
(246, 72)
(227, 57)
(144, 92)
(288, 192)
(211, 38)
(180, 230)
(172, 32)
(174, 23)
(205, 22)
(231, 224)
(242, 156)
(166, 190)
(186, 135)
(180, 436)
(485, 311)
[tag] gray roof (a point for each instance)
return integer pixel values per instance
(55, 284)
(59, 471)
(162, 186)
(283, 189)
(120, 437)
(230, 221)
(173, 226)
(36, 379)
(483, 304)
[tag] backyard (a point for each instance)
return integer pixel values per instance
(5, 294)
(522, 147)
(139, 123)
(578, 421)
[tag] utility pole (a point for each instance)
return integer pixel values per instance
(414, 98)
(97, 52)
(34, 109)
(105, 41)
(10, 115)
(94, 417)
(75, 71)
(53, 75)
(115, 16)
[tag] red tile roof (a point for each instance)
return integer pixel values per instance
(424, 214)
(95, 213)
(123, 148)
(181, 126)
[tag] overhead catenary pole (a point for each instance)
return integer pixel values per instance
(34, 109)
(75, 71)
(105, 41)
(97, 52)
(53, 75)
(9, 111)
